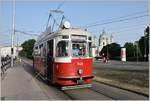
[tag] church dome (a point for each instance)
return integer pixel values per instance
(103, 35)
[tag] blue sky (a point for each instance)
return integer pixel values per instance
(33, 15)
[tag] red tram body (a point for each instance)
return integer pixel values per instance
(64, 57)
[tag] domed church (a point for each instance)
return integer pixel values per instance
(104, 39)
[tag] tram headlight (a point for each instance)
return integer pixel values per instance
(80, 71)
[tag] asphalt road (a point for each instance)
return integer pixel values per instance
(97, 92)
(121, 65)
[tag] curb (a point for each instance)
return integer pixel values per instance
(120, 87)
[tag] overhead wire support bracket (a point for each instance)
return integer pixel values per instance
(61, 21)
(48, 20)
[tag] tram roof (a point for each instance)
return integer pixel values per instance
(71, 31)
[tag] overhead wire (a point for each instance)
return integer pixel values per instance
(141, 12)
(127, 27)
(6, 31)
(60, 5)
(124, 29)
(116, 27)
(26, 33)
(130, 29)
(120, 20)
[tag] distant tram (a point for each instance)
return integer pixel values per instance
(64, 57)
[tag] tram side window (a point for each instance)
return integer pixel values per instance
(36, 52)
(90, 49)
(62, 49)
(41, 49)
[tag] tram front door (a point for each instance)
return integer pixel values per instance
(50, 60)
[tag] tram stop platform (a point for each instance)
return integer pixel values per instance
(17, 84)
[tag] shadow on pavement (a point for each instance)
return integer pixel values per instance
(28, 68)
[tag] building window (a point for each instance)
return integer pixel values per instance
(103, 43)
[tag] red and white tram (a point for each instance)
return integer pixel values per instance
(64, 57)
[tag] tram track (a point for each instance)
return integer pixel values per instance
(98, 91)
(117, 93)
(86, 94)
(103, 94)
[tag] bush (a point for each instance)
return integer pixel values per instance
(129, 58)
(135, 59)
(115, 58)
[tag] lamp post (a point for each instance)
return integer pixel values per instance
(107, 49)
(145, 55)
(12, 35)
(137, 57)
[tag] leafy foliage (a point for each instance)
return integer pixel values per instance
(144, 43)
(112, 50)
(130, 49)
(27, 48)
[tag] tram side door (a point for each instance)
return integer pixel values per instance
(50, 60)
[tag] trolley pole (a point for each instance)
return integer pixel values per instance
(12, 36)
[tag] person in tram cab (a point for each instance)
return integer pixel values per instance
(64, 53)
(80, 51)
(75, 50)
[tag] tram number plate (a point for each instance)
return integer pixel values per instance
(79, 81)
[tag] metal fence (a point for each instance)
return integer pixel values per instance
(5, 64)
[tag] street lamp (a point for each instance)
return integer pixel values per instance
(136, 44)
(12, 35)
(107, 48)
(145, 44)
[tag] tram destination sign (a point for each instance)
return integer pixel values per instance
(78, 37)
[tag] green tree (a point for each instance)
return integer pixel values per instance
(113, 50)
(144, 43)
(130, 49)
(27, 48)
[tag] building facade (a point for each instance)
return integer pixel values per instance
(6, 50)
(104, 39)
(94, 47)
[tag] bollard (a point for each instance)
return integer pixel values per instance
(123, 54)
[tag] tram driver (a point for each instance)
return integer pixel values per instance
(75, 50)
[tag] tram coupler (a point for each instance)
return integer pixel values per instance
(76, 86)
(80, 81)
